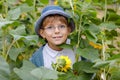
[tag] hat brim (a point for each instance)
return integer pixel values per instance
(52, 12)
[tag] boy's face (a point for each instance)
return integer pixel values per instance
(55, 32)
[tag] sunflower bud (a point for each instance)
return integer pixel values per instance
(61, 62)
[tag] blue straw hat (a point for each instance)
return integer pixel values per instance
(51, 10)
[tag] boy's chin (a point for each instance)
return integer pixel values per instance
(58, 44)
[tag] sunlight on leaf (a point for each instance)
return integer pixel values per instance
(4, 22)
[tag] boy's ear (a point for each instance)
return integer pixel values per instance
(41, 33)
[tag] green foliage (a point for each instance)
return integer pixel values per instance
(88, 53)
(29, 71)
(4, 70)
(96, 38)
(24, 72)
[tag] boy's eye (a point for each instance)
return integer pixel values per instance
(50, 27)
(62, 26)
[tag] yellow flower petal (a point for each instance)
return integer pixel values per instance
(95, 45)
(65, 66)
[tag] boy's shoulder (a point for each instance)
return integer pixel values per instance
(39, 51)
(37, 57)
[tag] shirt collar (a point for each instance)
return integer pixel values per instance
(51, 52)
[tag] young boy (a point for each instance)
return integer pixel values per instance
(54, 25)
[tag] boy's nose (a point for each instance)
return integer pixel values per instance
(57, 30)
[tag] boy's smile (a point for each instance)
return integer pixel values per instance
(57, 38)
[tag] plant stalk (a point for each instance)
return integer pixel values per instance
(9, 48)
(71, 4)
(79, 31)
(105, 12)
(103, 44)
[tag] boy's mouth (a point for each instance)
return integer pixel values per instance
(57, 37)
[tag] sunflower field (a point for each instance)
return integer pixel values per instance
(96, 38)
